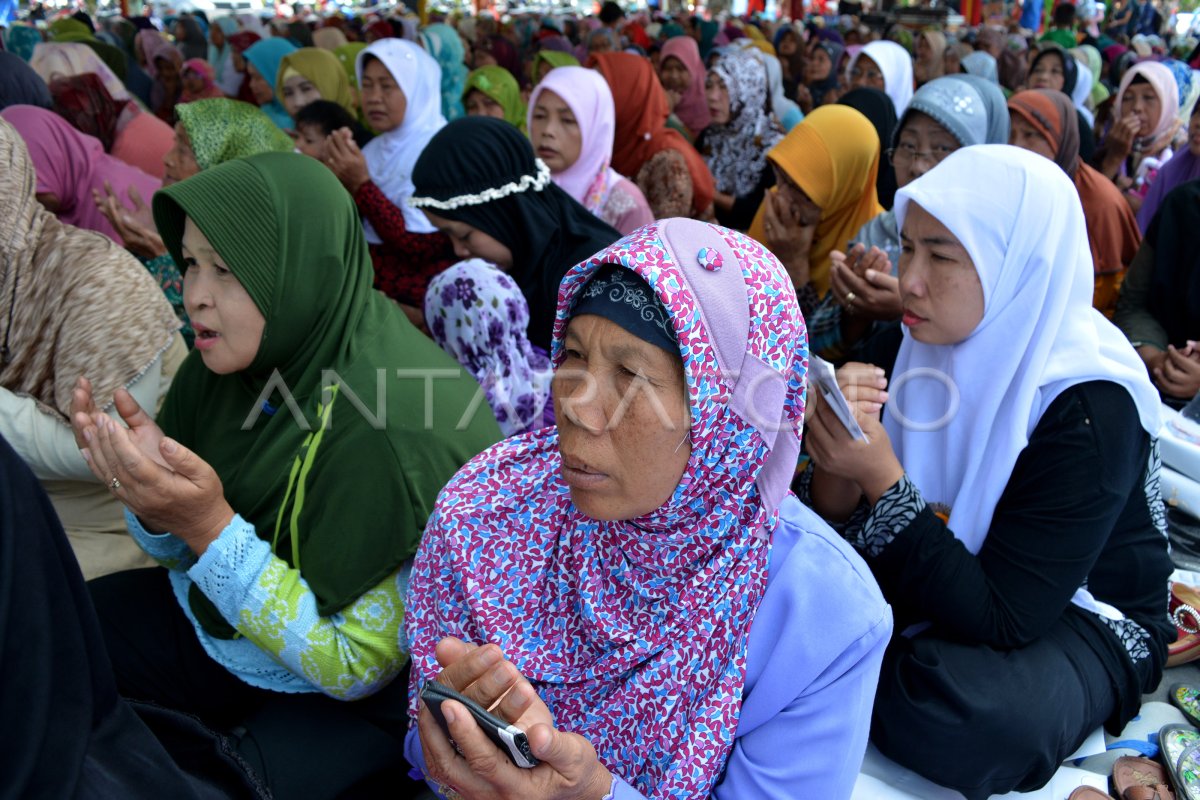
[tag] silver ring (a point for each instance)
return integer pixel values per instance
(850, 298)
(114, 484)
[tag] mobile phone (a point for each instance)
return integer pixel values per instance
(509, 738)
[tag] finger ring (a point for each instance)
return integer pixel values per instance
(850, 298)
(114, 484)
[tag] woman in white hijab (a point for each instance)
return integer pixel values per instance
(886, 66)
(1008, 502)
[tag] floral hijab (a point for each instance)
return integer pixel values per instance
(736, 152)
(652, 614)
(477, 314)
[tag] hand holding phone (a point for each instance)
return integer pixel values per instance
(508, 737)
(824, 378)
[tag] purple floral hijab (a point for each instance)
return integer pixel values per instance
(634, 632)
(478, 314)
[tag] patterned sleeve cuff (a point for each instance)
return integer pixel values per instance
(227, 571)
(895, 511)
(165, 548)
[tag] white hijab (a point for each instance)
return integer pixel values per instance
(897, 67)
(391, 156)
(1039, 335)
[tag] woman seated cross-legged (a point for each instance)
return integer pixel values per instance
(301, 448)
(663, 618)
(1008, 503)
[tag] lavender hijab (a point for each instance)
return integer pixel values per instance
(634, 632)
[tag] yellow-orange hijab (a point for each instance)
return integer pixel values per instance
(833, 156)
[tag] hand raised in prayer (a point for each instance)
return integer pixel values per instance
(863, 283)
(167, 486)
(569, 769)
(136, 226)
(1178, 373)
(872, 465)
(345, 160)
(787, 237)
(1122, 136)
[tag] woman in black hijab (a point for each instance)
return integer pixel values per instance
(479, 182)
(876, 106)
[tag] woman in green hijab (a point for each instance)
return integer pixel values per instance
(546, 60)
(302, 446)
(312, 73)
(492, 91)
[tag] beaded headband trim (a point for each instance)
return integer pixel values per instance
(536, 182)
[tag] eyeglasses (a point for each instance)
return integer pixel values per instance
(870, 74)
(907, 153)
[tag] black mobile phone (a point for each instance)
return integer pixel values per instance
(509, 738)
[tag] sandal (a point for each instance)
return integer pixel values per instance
(1180, 750)
(1184, 610)
(1186, 698)
(1135, 778)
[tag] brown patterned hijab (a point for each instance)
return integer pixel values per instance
(72, 302)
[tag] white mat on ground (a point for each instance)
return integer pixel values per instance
(883, 779)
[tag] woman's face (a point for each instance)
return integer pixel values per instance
(383, 100)
(193, 81)
(818, 67)
(939, 285)
(1142, 101)
(924, 49)
(299, 91)
(921, 146)
(623, 420)
(258, 86)
(1027, 137)
(216, 36)
(807, 212)
(229, 327)
(1048, 73)
(470, 242)
(716, 94)
(674, 75)
(788, 45)
(180, 161)
(867, 74)
(479, 104)
(555, 132)
(310, 140)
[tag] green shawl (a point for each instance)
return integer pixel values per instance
(498, 83)
(221, 130)
(344, 502)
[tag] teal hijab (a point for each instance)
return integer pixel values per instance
(266, 55)
(332, 455)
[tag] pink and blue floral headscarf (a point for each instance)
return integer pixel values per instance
(634, 632)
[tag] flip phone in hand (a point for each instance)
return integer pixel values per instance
(509, 738)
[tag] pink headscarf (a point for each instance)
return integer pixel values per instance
(205, 71)
(1163, 82)
(70, 164)
(692, 109)
(587, 94)
(634, 632)
(154, 46)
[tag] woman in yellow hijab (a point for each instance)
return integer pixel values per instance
(824, 192)
(313, 73)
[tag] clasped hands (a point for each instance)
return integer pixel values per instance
(569, 769)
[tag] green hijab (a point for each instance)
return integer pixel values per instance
(341, 472)
(498, 83)
(221, 130)
(347, 55)
(554, 58)
(323, 69)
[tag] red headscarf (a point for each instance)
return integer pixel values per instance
(83, 101)
(642, 111)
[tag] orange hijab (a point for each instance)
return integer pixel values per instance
(1113, 233)
(642, 111)
(833, 156)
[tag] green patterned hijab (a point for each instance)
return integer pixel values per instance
(498, 83)
(221, 130)
(336, 440)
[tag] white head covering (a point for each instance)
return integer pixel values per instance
(780, 104)
(588, 96)
(392, 155)
(1039, 334)
(1083, 91)
(897, 67)
(253, 23)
